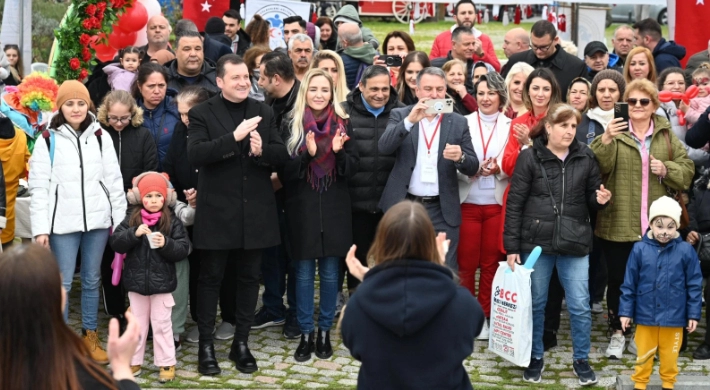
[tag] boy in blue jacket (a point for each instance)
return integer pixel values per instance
(662, 293)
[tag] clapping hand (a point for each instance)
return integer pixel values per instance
(246, 127)
(522, 134)
(255, 143)
(311, 143)
(658, 168)
(355, 267)
(614, 128)
(339, 141)
(603, 195)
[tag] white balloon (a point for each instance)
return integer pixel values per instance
(141, 37)
(152, 6)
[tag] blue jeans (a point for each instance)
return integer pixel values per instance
(305, 271)
(65, 248)
(278, 273)
(573, 273)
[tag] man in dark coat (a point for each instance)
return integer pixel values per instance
(240, 40)
(189, 66)
(235, 143)
(369, 107)
(666, 54)
(546, 52)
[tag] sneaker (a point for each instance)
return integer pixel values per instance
(167, 374)
(91, 339)
(339, 303)
(193, 336)
(632, 346)
(702, 353)
(584, 372)
(136, 370)
(225, 331)
(263, 319)
(615, 350)
(178, 345)
(534, 371)
(484, 331)
(597, 308)
(292, 329)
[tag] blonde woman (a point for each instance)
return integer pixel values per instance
(455, 88)
(640, 65)
(318, 214)
(331, 62)
(515, 83)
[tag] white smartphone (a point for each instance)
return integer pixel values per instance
(439, 106)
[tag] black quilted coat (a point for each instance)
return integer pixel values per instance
(530, 218)
(150, 271)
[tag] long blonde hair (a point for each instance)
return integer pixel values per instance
(296, 138)
(649, 58)
(341, 89)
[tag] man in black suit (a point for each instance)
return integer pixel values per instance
(235, 143)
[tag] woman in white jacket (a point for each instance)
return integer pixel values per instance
(76, 196)
(482, 194)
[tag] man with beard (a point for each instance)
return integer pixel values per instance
(300, 49)
(465, 16)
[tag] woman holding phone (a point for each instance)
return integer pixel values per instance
(642, 159)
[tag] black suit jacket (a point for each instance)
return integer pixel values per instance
(213, 149)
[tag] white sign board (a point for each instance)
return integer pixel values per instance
(275, 13)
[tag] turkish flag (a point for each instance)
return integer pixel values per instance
(200, 10)
(689, 13)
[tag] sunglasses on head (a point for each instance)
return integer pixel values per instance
(633, 101)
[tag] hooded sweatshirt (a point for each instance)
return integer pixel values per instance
(667, 54)
(353, 58)
(411, 327)
(349, 14)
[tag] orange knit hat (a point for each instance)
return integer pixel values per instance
(154, 181)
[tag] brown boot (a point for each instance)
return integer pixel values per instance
(91, 340)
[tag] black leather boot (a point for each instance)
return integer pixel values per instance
(242, 357)
(305, 348)
(323, 348)
(207, 362)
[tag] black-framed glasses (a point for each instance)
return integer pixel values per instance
(123, 119)
(633, 101)
(541, 48)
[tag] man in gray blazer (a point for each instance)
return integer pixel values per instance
(429, 150)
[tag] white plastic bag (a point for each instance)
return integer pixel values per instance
(511, 315)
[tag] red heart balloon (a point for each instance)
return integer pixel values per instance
(134, 18)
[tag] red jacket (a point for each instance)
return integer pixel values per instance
(442, 45)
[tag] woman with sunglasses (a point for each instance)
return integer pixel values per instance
(642, 160)
(673, 80)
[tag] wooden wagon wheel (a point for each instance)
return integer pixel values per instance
(402, 10)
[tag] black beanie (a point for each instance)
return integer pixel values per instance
(214, 25)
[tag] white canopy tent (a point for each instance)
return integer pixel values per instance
(17, 28)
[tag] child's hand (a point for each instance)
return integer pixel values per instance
(142, 229)
(625, 323)
(692, 324)
(683, 107)
(159, 240)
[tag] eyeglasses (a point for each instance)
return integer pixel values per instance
(633, 101)
(541, 48)
(124, 119)
(678, 83)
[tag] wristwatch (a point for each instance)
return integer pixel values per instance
(462, 159)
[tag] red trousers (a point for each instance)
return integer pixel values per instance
(478, 248)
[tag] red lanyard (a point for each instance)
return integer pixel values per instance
(480, 129)
(429, 142)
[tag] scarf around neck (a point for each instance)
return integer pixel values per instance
(149, 218)
(601, 116)
(321, 169)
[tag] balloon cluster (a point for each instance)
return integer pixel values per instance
(667, 96)
(129, 30)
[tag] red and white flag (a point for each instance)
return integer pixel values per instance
(200, 10)
(688, 13)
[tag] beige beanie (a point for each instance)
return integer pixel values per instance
(72, 89)
(665, 207)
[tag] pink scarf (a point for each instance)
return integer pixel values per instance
(149, 218)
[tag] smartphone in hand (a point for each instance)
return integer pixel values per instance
(621, 110)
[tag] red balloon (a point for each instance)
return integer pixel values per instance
(134, 18)
(692, 91)
(681, 117)
(119, 40)
(106, 56)
(665, 96)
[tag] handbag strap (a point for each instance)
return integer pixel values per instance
(549, 187)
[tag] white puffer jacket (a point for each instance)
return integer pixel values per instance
(82, 190)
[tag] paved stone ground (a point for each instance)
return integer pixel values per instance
(278, 369)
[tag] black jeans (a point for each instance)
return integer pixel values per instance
(616, 255)
(213, 266)
(114, 296)
(364, 229)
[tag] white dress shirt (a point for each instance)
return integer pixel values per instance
(426, 130)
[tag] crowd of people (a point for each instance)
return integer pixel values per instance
(189, 172)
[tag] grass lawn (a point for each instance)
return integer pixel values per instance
(425, 33)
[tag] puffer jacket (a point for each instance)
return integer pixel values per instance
(667, 54)
(530, 216)
(81, 190)
(149, 271)
(161, 122)
(663, 284)
(620, 163)
(369, 182)
(136, 152)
